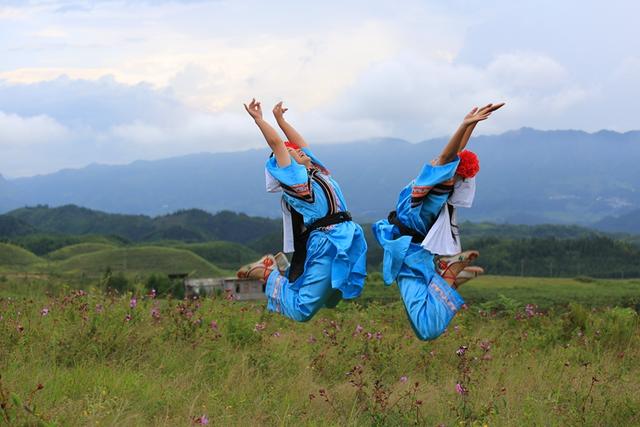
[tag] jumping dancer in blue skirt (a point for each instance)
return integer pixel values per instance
(411, 239)
(329, 249)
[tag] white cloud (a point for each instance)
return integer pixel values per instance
(51, 33)
(109, 86)
(25, 131)
(527, 72)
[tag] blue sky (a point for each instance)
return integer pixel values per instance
(116, 81)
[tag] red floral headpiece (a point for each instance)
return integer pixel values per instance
(291, 145)
(469, 164)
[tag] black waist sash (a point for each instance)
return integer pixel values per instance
(301, 237)
(301, 233)
(416, 237)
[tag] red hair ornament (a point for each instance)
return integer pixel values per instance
(469, 164)
(291, 145)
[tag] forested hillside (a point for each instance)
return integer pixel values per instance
(228, 240)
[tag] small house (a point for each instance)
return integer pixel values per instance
(230, 287)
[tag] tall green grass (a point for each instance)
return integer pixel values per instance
(105, 360)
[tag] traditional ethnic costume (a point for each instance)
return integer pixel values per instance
(329, 260)
(410, 239)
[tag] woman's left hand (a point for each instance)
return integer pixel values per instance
(478, 114)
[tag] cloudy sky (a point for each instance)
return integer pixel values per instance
(115, 81)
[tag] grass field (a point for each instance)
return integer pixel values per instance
(227, 255)
(78, 249)
(86, 358)
(15, 256)
(140, 259)
(496, 291)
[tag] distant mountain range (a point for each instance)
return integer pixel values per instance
(527, 177)
(627, 223)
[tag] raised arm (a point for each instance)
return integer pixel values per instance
(273, 139)
(461, 136)
(451, 150)
(467, 134)
(289, 131)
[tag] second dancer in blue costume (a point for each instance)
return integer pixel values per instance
(411, 242)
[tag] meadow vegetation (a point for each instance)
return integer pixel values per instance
(89, 357)
(93, 331)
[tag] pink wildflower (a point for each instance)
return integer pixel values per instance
(127, 318)
(485, 345)
(260, 327)
(403, 379)
(155, 313)
(311, 339)
(153, 293)
(378, 335)
(99, 308)
(213, 325)
(133, 302)
(461, 390)
(359, 329)
(44, 311)
(531, 310)
(276, 334)
(202, 420)
(461, 350)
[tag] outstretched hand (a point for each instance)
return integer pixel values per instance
(478, 114)
(254, 109)
(279, 110)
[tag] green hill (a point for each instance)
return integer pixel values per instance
(472, 230)
(74, 220)
(227, 255)
(43, 244)
(12, 227)
(78, 249)
(12, 256)
(192, 225)
(224, 225)
(140, 260)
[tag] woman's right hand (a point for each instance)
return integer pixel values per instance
(279, 110)
(254, 109)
